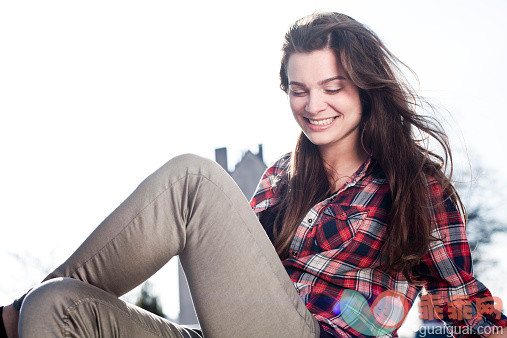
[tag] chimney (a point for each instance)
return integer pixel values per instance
(259, 154)
(221, 157)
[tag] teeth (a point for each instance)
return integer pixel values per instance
(322, 122)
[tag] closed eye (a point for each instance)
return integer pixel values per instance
(298, 92)
(333, 91)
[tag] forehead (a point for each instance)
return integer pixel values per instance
(314, 66)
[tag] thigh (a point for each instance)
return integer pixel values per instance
(238, 284)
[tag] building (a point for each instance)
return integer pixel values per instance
(246, 174)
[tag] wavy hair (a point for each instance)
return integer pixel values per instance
(389, 127)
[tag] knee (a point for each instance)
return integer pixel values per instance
(191, 164)
(47, 294)
(45, 304)
(194, 161)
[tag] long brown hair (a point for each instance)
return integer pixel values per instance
(388, 132)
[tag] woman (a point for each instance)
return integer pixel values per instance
(360, 217)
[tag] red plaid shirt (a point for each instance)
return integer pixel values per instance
(338, 245)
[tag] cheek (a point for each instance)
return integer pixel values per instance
(297, 105)
(349, 106)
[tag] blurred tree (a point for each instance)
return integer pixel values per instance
(483, 197)
(147, 301)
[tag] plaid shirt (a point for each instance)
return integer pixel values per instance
(338, 244)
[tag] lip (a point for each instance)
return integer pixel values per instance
(316, 127)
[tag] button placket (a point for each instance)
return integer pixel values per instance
(301, 234)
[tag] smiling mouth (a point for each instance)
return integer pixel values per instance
(322, 122)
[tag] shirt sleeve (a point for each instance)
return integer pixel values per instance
(265, 194)
(453, 293)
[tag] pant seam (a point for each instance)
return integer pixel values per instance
(129, 223)
(82, 301)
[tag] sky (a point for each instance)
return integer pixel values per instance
(96, 95)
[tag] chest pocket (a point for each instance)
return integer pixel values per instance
(338, 225)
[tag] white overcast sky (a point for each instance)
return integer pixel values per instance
(96, 95)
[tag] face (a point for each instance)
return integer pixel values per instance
(324, 101)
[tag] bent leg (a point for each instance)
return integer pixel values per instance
(192, 207)
(237, 281)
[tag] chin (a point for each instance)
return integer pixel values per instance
(319, 141)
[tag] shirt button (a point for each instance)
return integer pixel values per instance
(293, 253)
(310, 220)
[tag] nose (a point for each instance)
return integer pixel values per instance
(316, 103)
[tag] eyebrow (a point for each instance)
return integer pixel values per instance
(339, 77)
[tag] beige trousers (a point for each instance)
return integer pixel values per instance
(192, 208)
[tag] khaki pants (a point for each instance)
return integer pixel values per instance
(192, 208)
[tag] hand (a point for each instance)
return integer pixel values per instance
(11, 317)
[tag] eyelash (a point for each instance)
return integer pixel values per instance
(328, 91)
(297, 93)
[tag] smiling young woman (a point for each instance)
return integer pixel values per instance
(327, 107)
(361, 205)
(345, 231)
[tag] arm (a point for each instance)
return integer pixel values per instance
(459, 299)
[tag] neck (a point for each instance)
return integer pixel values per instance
(342, 163)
